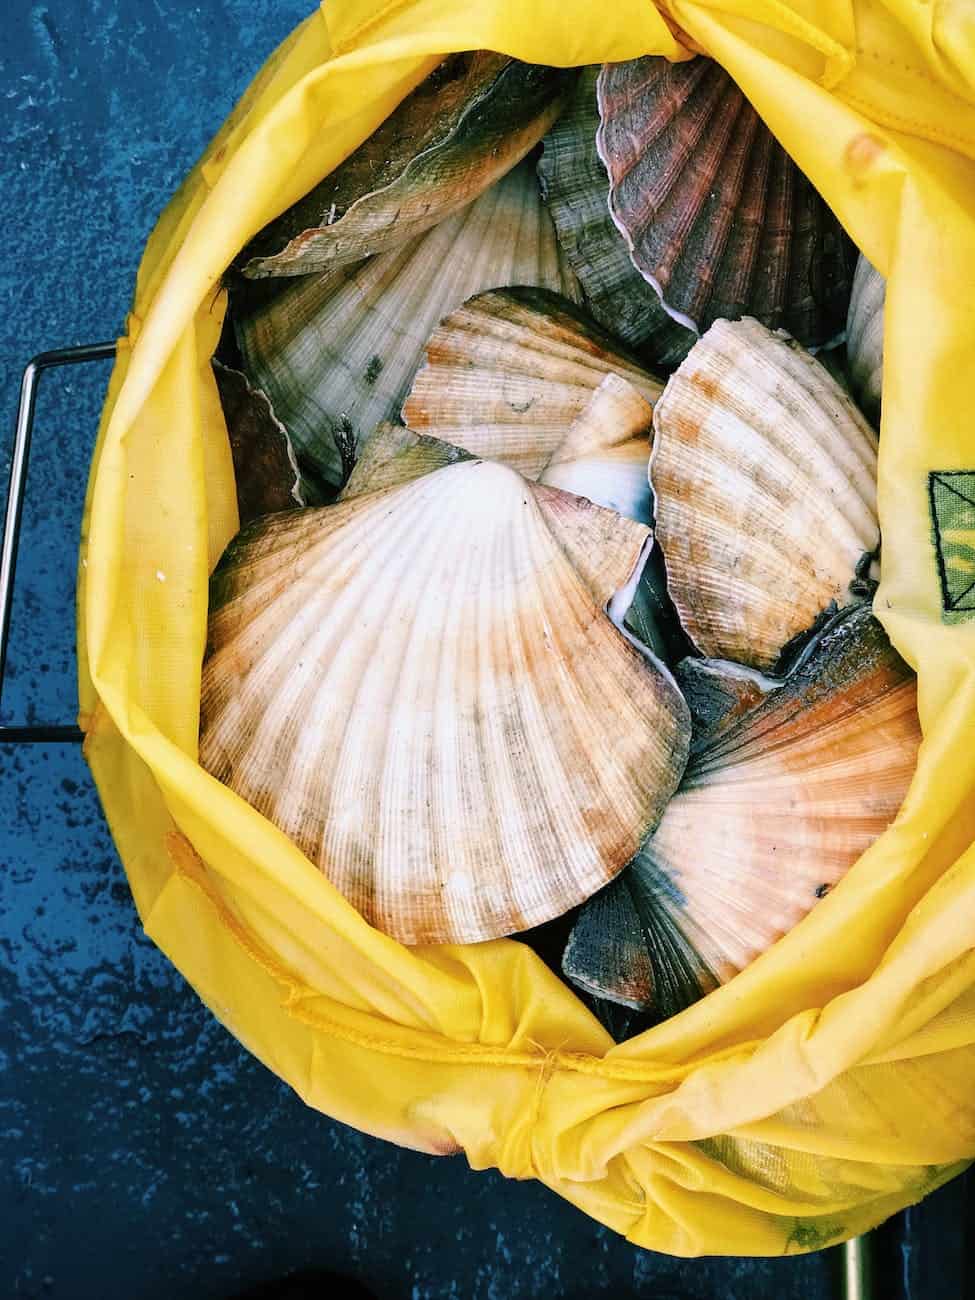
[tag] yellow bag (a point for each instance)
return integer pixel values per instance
(831, 1082)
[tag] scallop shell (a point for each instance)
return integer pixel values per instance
(576, 188)
(466, 125)
(865, 337)
(265, 468)
(764, 478)
(605, 453)
(336, 353)
(508, 373)
(603, 456)
(719, 693)
(421, 688)
(394, 455)
(771, 813)
(717, 216)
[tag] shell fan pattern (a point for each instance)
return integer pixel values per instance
(717, 217)
(484, 796)
(775, 806)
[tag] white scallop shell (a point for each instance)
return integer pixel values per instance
(421, 687)
(606, 451)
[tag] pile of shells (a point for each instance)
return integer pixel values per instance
(550, 611)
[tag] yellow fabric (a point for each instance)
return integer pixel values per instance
(831, 1082)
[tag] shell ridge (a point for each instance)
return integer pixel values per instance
(470, 778)
(752, 749)
(727, 213)
(575, 872)
(734, 218)
(681, 973)
(413, 693)
(523, 775)
(298, 791)
(625, 659)
(740, 285)
(690, 195)
(435, 776)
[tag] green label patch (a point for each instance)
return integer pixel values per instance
(952, 494)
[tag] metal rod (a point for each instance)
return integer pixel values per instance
(857, 1269)
(40, 735)
(15, 509)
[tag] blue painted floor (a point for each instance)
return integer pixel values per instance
(143, 1154)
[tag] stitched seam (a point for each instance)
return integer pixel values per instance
(941, 475)
(909, 125)
(777, 15)
(939, 555)
(179, 849)
(914, 71)
(294, 994)
(951, 602)
(549, 1064)
(956, 600)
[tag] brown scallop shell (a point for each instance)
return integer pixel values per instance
(717, 216)
(467, 124)
(576, 188)
(774, 808)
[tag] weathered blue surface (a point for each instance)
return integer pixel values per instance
(142, 1152)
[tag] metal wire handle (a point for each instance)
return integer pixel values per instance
(858, 1268)
(22, 733)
